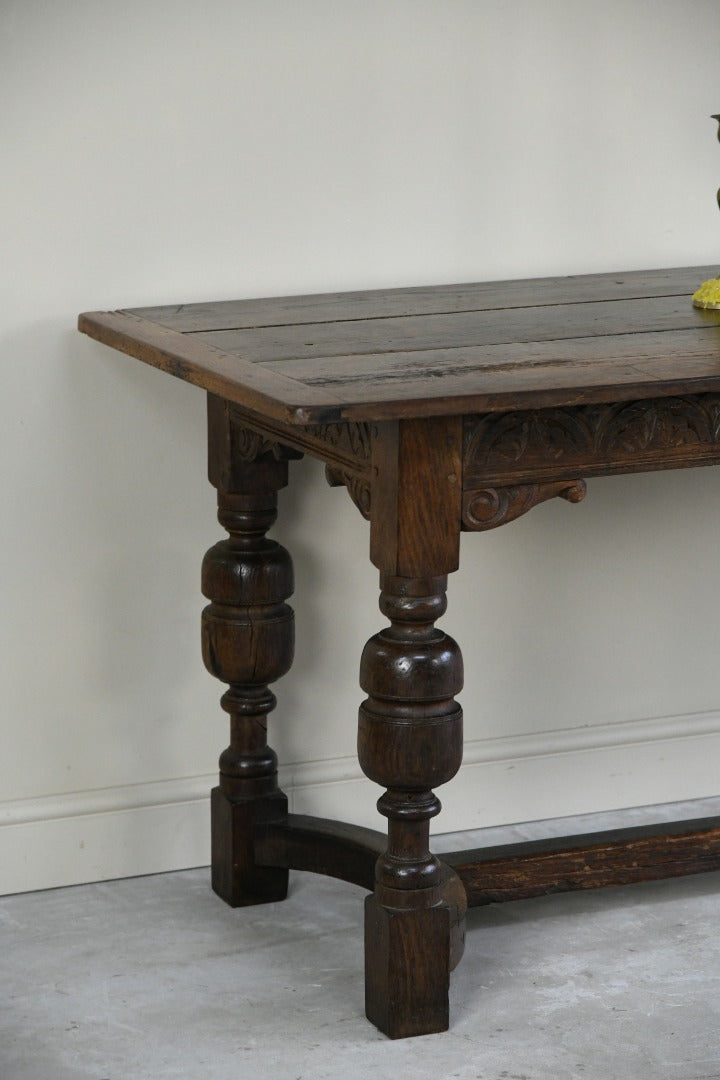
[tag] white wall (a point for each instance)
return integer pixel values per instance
(164, 150)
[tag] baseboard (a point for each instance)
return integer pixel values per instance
(151, 828)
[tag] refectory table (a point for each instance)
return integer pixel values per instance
(439, 410)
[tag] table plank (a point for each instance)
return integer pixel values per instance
(380, 337)
(424, 300)
(512, 361)
(535, 374)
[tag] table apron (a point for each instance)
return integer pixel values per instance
(541, 445)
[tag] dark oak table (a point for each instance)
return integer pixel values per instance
(439, 410)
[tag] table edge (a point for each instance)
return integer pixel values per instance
(261, 391)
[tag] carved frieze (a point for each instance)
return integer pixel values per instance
(346, 449)
(591, 439)
(345, 446)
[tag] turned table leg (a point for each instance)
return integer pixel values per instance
(247, 641)
(410, 728)
(410, 740)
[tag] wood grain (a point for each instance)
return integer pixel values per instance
(416, 497)
(391, 354)
(424, 300)
(508, 872)
(592, 861)
(381, 338)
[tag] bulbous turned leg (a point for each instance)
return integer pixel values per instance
(247, 638)
(248, 642)
(410, 740)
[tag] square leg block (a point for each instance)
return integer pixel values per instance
(407, 969)
(235, 876)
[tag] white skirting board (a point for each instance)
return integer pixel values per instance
(151, 828)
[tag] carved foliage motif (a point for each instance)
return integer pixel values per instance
(345, 448)
(343, 445)
(354, 439)
(589, 437)
(249, 445)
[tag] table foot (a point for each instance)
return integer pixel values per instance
(407, 969)
(235, 875)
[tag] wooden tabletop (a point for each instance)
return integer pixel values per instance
(441, 350)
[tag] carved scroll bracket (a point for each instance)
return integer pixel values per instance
(354, 440)
(358, 487)
(490, 507)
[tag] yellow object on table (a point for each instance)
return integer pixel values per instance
(708, 295)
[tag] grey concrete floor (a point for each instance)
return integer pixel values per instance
(155, 978)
